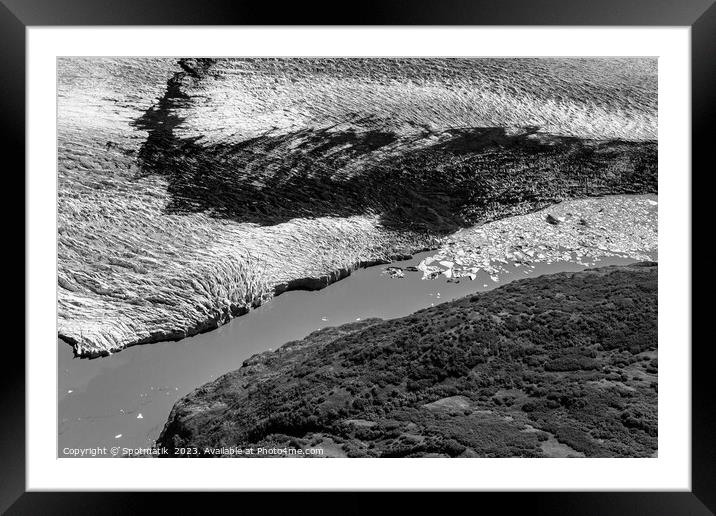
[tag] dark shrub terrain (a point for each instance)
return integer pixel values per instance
(559, 365)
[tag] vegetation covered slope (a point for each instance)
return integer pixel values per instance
(192, 190)
(558, 365)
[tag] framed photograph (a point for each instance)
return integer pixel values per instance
(441, 247)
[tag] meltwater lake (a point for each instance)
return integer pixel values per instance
(124, 399)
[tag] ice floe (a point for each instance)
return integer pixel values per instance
(579, 231)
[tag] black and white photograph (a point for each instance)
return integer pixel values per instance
(357, 257)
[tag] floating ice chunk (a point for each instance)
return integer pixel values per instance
(448, 264)
(494, 278)
(140, 416)
(358, 319)
(118, 436)
(429, 272)
(394, 272)
(653, 203)
(448, 273)
(323, 319)
(69, 391)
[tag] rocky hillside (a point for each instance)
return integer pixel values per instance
(558, 365)
(191, 190)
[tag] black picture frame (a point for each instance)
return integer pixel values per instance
(700, 15)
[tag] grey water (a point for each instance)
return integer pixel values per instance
(124, 399)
